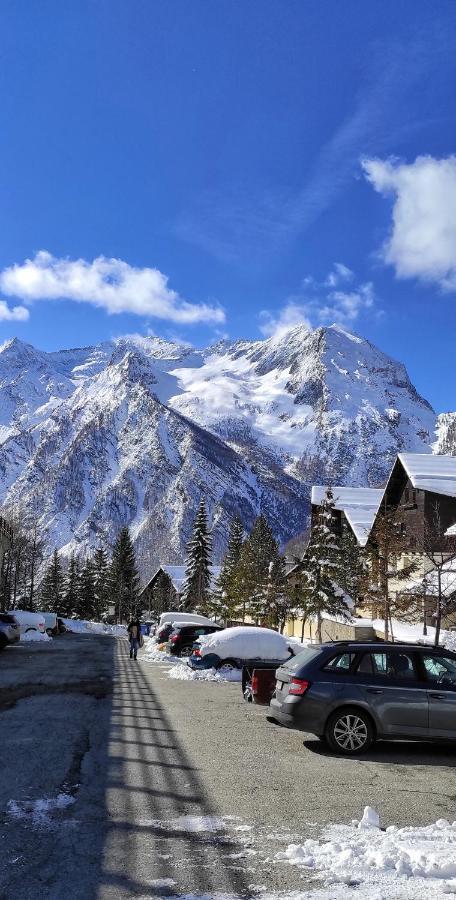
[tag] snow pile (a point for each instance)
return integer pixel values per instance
(198, 824)
(184, 673)
(39, 812)
(246, 642)
(33, 636)
(364, 854)
(82, 626)
(153, 654)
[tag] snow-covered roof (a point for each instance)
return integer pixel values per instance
(177, 575)
(451, 531)
(359, 506)
(431, 473)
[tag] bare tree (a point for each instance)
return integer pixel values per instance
(438, 577)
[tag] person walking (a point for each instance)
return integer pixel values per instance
(134, 636)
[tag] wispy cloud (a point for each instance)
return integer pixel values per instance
(110, 284)
(422, 242)
(322, 303)
(252, 226)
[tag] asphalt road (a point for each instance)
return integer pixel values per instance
(133, 764)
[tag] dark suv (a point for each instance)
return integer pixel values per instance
(352, 694)
(182, 637)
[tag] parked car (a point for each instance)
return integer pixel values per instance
(51, 623)
(258, 682)
(352, 693)
(183, 637)
(165, 628)
(29, 621)
(9, 630)
(239, 647)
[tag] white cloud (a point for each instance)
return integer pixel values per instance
(316, 304)
(14, 314)
(111, 284)
(422, 243)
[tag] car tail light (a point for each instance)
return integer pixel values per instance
(196, 652)
(254, 684)
(173, 638)
(298, 686)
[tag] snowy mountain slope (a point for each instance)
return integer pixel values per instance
(134, 430)
(322, 395)
(446, 434)
(112, 453)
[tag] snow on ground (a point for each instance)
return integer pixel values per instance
(35, 636)
(400, 862)
(39, 812)
(151, 653)
(182, 672)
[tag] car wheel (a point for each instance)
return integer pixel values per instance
(30, 629)
(185, 652)
(350, 731)
(229, 664)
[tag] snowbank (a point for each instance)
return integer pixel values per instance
(81, 626)
(151, 653)
(364, 855)
(413, 632)
(33, 636)
(246, 642)
(183, 672)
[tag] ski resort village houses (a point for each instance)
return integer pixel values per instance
(406, 534)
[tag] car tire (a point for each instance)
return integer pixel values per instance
(228, 664)
(3, 642)
(186, 652)
(350, 731)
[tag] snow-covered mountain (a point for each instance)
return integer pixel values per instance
(446, 434)
(135, 430)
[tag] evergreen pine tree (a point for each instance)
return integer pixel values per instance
(51, 591)
(71, 588)
(165, 596)
(227, 600)
(323, 568)
(86, 601)
(101, 577)
(123, 577)
(196, 587)
(258, 569)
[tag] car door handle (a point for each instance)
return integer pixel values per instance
(374, 691)
(438, 696)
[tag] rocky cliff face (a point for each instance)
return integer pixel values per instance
(446, 434)
(134, 431)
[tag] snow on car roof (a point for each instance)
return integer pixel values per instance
(359, 506)
(431, 473)
(246, 642)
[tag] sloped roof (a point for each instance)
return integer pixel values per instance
(431, 473)
(451, 531)
(359, 506)
(177, 575)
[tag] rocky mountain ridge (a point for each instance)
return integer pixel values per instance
(135, 430)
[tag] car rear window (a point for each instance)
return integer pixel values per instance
(340, 663)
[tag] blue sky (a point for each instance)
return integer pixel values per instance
(195, 169)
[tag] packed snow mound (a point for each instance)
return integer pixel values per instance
(151, 653)
(182, 672)
(363, 854)
(35, 636)
(246, 642)
(81, 626)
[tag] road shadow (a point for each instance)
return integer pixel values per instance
(155, 804)
(405, 753)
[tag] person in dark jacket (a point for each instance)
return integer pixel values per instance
(134, 636)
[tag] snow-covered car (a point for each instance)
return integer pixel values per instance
(29, 621)
(240, 646)
(165, 627)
